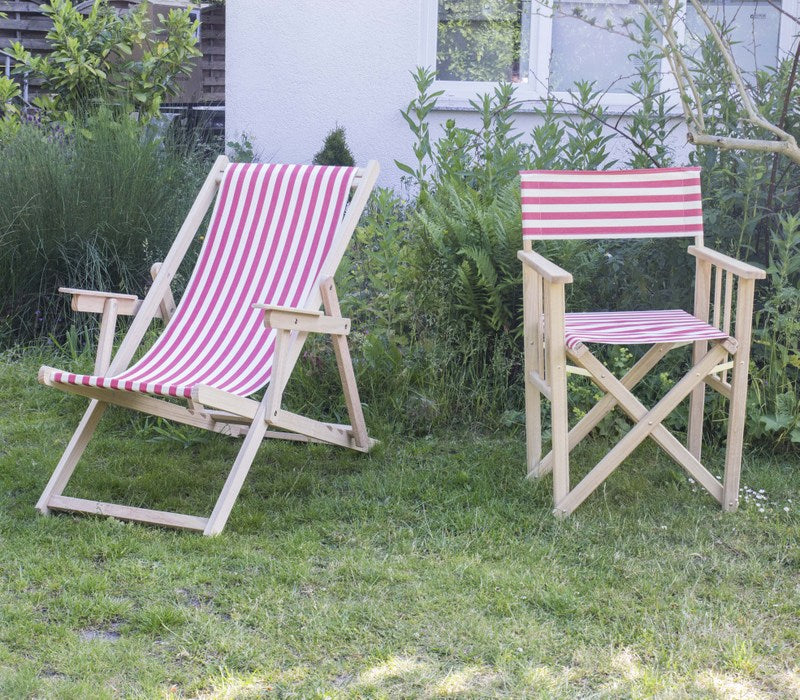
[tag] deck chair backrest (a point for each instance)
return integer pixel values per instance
(655, 203)
(272, 230)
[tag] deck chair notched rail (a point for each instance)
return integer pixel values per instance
(276, 237)
(626, 204)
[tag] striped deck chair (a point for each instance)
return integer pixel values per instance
(276, 236)
(629, 204)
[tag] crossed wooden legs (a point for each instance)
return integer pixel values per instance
(647, 423)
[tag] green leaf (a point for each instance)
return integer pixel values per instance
(405, 168)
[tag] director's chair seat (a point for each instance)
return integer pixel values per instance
(624, 204)
(636, 328)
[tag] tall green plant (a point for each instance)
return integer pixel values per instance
(776, 376)
(92, 209)
(416, 115)
(466, 254)
(586, 145)
(10, 112)
(466, 230)
(651, 123)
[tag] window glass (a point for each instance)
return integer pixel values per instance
(483, 40)
(585, 52)
(754, 31)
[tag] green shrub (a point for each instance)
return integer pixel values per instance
(775, 387)
(464, 228)
(335, 150)
(9, 106)
(751, 204)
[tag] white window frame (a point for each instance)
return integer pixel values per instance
(458, 93)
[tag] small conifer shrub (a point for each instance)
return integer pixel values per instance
(335, 150)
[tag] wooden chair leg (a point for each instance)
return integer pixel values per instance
(69, 460)
(532, 302)
(640, 431)
(738, 402)
(533, 429)
(619, 392)
(607, 404)
(238, 473)
(557, 378)
(697, 400)
(702, 299)
(735, 437)
(344, 362)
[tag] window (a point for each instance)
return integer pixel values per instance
(479, 40)
(754, 31)
(605, 60)
(475, 43)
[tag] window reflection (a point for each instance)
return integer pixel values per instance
(483, 40)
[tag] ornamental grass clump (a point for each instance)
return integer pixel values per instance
(91, 209)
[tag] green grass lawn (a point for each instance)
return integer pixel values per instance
(428, 568)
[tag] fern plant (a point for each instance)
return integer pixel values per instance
(470, 244)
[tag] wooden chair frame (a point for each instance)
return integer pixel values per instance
(210, 408)
(546, 369)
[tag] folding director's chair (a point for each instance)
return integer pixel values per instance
(276, 237)
(629, 204)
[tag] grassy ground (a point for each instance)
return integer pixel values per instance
(428, 568)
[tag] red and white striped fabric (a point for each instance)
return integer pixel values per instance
(271, 231)
(636, 328)
(656, 203)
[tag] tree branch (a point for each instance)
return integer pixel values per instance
(754, 116)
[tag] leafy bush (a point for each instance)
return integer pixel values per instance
(464, 230)
(9, 106)
(751, 204)
(433, 284)
(108, 58)
(776, 379)
(92, 209)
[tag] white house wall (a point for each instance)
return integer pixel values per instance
(296, 69)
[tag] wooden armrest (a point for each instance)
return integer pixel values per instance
(548, 270)
(289, 319)
(737, 267)
(94, 302)
(289, 309)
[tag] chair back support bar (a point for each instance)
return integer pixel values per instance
(169, 267)
(655, 203)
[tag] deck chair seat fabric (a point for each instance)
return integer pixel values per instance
(636, 328)
(270, 232)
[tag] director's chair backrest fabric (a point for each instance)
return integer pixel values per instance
(568, 204)
(271, 231)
